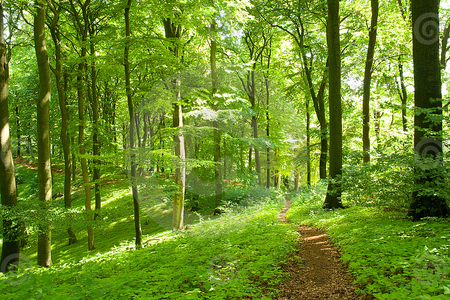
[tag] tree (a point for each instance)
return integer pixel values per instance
(367, 79)
(217, 133)
(55, 31)
(313, 57)
(428, 102)
(174, 33)
(332, 199)
(83, 31)
(43, 132)
(8, 192)
(133, 164)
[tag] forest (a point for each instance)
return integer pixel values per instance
(228, 149)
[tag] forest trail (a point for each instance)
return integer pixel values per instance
(315, 268)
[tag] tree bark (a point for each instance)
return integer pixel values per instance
(56, 36)
(133, 165)
(367, 80)
(43, 133)
(174, 32)
(266, 81)
(217, 133)
(95, 141)
(333, 197)
(308, 144)
(403, 94)
(83, 28)
(427, 95)
(8, 191)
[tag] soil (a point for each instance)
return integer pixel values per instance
(315, 270)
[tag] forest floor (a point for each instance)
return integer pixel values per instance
(315, 268)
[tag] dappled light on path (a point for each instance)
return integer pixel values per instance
(315, 270)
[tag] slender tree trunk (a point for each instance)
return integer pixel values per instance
(56, 36)
(266, 81)
(255, 123)
(174, 33)
(297, 180)
(427, 95)
(83, 28)
(217, 133)
(96, 144)
(308, 144)
(18, 131)
(319, 107)
(333, 198)
(367, 80)
(403, 94)
(43, 133)
(8, 191)
(133, 167)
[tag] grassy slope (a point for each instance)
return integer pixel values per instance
(235, 255)
(393, 257)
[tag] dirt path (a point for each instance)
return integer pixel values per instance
(315, 268)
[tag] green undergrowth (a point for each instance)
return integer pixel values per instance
(234, 256)
(231, 256)
(390, 256)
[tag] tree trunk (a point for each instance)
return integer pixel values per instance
(427, 95)
(297, 180)
(308, 144)
(174, 32)
(43, 134)
(333, 198)
(83, 27)
(133, 167)
(95, 141)
(367, 80)
(319, 107)
(19, 154)
(217, 133)
(8, 191)
(266, 81)
(56, 36)
(255, 124)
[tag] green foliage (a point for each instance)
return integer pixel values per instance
(234, 256)
(389, 256)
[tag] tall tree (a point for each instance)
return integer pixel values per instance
(315, 63)
(8, 192)
(55, 31)
(367, 79)
(174, 33)
(92, 25)
(428, 102)
(82, 26)
(43, 132)
(217, 133)
(333, 197)
(133, 164)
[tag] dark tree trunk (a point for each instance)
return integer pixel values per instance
(43, 133)
(266, 81)
(18, 131)
(308, 144)
(333, 198)
(8, 191)
(367, 80)
(427, 94)
(403, 94)
(133, 167)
